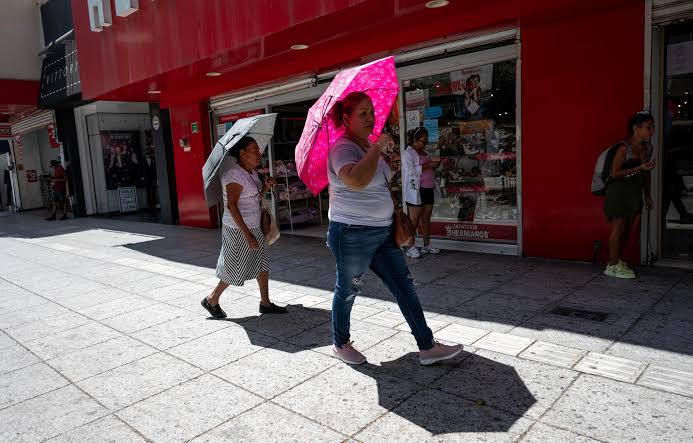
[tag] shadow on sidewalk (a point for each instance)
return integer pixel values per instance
(435, 398)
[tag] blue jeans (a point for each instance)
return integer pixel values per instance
(356, 248)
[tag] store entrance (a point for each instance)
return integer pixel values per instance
(677, 162)
(298, 210)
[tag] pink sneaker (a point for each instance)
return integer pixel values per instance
(438, 353)
(348, 354)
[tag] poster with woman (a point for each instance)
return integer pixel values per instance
(472, 88)
(121, 161)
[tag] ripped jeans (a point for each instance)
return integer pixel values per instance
(356, 248)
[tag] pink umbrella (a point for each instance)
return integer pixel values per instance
(378, 79)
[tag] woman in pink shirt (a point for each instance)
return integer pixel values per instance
(418, 180)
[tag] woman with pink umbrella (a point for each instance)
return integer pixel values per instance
(360, 229)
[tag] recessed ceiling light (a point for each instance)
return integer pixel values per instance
(154, 91)
(213, 74)
(437, 4)
(299, 47)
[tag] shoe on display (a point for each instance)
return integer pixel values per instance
(413, 252)
(439, 352)
(348, 354)
(618, 271)
(430, 250)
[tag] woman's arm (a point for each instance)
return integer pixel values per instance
(617, 164)
(358, 175)
(233, 193)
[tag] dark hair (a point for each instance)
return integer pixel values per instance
(346, 106)
(416, 134)
(638, 119)
(240, 145)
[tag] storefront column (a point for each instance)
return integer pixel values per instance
(191, 147)
(165, 172)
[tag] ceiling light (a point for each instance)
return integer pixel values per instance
(433, 4)
(299, 47)
(154, 91)
(213, 74)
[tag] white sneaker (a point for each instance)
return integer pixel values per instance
(618, 271)
(413, 252)
(430, 250)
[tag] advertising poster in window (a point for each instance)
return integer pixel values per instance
(469, 117)
(121, 158)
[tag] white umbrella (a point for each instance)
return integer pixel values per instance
(259, 127)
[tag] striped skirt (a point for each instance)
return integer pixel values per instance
(237, 263)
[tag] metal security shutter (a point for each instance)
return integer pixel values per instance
(33, 122)
(667, 11)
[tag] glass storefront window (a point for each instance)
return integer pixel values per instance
(470, 118)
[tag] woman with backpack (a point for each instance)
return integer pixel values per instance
(629, 179)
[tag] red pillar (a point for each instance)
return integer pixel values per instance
(190, 125)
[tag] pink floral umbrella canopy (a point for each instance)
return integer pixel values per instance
(378, 79)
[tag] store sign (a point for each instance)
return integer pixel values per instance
(100, 12)
(5, 130)
(195, 127)
(680, 58)
(128, 199)
(60, 75)
(31, 175)
(475, 232)
(231, 118)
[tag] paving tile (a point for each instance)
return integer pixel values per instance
(511, 384)
(398, 356)
(145, 317)
(220, 348)
(275, 369)
(107, 429)
(188, 409)
(609, 366)
(177, 290)
(178, 331)
(116, 307)
(48, 415)
(21, 316)
(98, 297)
(460, 334)
(49, 326)
(16, 357)
(296, 321)
(388, 319)
(434, 325)
(677, 304)
(541, 433)
(285, 426)
(503, 343)
(667, 379)
(435, 416)
(552, 354)
(140, 379)
(635, 413)
(503, 323)
(147, 284)
(658, 339)
(440, 297)
(71, 340)
(369, 395)
(29, 382)
(6, 341)
(100, 358)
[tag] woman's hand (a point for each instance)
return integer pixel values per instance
(648, 166)
(384, 143)
(252, 243)
(270, 182)
(649, 203)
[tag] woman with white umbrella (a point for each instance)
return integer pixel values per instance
(244, 250)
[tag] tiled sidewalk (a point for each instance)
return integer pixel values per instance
(103, 338)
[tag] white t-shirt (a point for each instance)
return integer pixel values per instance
(371, 206)
(249, 201)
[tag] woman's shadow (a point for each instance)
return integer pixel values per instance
(468, 394)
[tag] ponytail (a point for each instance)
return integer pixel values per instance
(346, 106)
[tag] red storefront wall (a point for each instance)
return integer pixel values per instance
(582, 64)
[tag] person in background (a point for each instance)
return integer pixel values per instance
(59, 187)
(418, 181)
(243, 253)
(360, 231)
(630, 179)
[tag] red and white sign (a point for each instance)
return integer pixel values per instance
(5, 130)
(475, 232)
(18, 149)
(52, 138)
(228, 118)
(31, 175)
